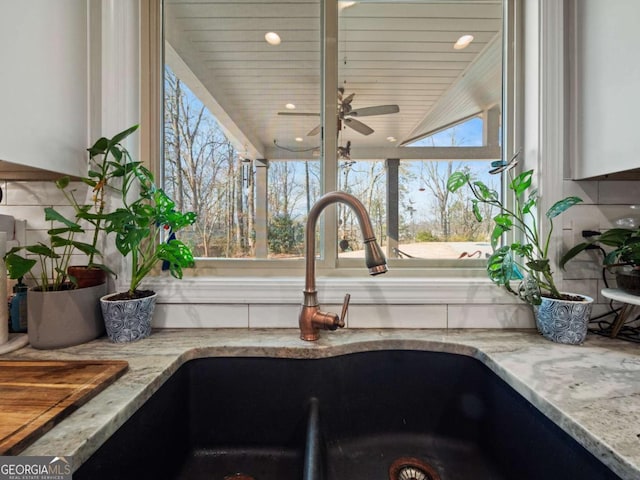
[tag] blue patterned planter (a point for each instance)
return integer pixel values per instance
(128, 320)
(564, 321)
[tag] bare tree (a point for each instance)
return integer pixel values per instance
(363, 180)
(202, 173)
(434, 177)
(464, 224)
(286, 188)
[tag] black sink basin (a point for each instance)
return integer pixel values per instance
(353, 417)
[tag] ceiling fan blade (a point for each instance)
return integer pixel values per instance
(348, 99)
(377, 110)
(315, 131)
(358, 126)
(300, 114)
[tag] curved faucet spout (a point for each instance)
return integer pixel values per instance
(311, 318)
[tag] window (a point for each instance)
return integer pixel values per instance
(262, 113)
(293, 187)
(435, 223)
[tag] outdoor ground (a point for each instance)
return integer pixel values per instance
(435, 250)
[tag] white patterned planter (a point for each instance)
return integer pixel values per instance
(128, 320)
(564, 321)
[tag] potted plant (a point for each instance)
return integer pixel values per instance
(73, 291)
(58, 314)
(561, 317)
(138, 227)
(623, 260)
(106, 159)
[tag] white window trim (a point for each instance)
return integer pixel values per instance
(543, 143)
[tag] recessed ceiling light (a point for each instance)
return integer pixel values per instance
(342, 4)
(272, 38)
(299, 139)
(463, 42)
(391, 139)
(290, 106)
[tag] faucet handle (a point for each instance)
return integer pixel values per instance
(314, 318)
(345, 307)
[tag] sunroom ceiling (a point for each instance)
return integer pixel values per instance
(389, 52)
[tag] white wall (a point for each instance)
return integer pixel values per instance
(43, 83)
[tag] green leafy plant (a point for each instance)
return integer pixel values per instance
(626, 251)
(106, 159)
(285, 235)
(53, 256)
(138, 227)
(525, 259)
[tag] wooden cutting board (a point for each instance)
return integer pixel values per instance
(35, 395)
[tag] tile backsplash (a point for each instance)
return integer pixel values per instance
(26, 200)
(606, 204)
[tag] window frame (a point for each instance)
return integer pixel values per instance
(329, 265)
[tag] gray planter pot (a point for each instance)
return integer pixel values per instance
(564, 321)
(128, 320)
(64, 318)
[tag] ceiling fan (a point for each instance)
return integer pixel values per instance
(346, 113)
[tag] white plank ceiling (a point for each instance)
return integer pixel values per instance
(389, 53)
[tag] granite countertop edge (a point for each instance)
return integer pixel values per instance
(591, 391)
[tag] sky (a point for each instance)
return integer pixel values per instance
(468, 134)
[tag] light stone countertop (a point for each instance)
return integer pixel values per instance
(592, 391)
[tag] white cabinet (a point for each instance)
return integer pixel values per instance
(43, 85)
(605, 87)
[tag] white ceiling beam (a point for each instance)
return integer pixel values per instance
(403, 153)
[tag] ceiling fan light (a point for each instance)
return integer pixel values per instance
(272, 38)
(463, 42)
(391, 139)
(290, 106)
(299, 139)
